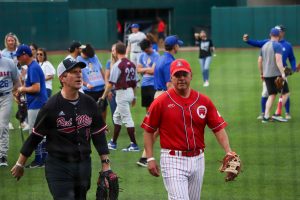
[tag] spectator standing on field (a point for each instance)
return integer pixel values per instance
(48, 69)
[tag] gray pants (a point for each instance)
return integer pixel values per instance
(32, 114)
(5, 111)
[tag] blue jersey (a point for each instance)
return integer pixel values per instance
(287, 51)
(91, 74)
(148, 61)
(36, 75)
(162, 71)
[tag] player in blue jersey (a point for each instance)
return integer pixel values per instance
(287, 53)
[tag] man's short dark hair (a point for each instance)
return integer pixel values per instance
(145, 44)
(89, 51)
(169, 47)
(120, 48)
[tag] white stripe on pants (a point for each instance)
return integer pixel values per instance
(183, 176)
(5, 111)
(122, 114)
(32, 114)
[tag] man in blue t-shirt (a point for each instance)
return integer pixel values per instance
(271, 66)
(162, 79)
(36, 96)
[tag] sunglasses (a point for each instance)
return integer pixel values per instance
(39, 54)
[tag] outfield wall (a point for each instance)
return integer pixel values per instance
(229, 24)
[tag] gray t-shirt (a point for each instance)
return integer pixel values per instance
(8, 74)
(268, 51)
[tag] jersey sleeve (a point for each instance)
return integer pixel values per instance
(257, 43)
(34, 76)
(152, 119)
(214, 120)
(14, 72)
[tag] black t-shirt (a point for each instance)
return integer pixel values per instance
(204, 48)
(69, 126)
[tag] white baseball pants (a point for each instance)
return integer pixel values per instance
(183, 176)
(122, 114)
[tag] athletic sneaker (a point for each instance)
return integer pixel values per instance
(206, 84)
(25, 126)
(142, 162)
(10, 126)
(3, 162)
(279, 118)
(260, 116)
(111, 145)
(288, 116)
(266, 120)
(34, 164)
(131, 147)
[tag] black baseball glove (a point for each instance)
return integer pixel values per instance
(288, 71)
(101, 104)
(108, 186)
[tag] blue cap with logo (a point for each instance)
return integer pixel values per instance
(274, 32)
(173, 40)
(23, 49)
(135, 26)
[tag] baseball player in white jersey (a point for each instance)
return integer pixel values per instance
(181, 115)
(133, 46)
(9, 82)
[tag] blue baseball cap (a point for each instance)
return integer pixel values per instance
(274, 32)
(172, 40)
(23, 49)
(135, 26)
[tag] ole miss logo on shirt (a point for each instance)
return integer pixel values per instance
(67, 125)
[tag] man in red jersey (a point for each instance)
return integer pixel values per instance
(181, 115)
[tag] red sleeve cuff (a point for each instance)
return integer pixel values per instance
(148, 128)
(219, 127)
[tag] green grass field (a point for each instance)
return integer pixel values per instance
(270, 152)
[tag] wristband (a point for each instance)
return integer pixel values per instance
(19, 165)
(150, 159)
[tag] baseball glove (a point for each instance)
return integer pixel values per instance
(288, 71)
(279, 82)
(108, 186)
(101, 104)
(231, 164)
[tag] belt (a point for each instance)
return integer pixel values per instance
(136, 52)
(191, 153)
(4, 93)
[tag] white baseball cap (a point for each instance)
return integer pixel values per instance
(67, 65)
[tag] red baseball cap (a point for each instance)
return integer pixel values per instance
(180, 65)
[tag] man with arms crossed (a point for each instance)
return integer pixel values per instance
(181, 115)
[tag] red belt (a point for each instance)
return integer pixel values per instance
(191, 153)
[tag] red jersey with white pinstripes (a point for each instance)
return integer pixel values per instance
(181, 121)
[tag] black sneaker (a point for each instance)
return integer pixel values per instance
(3, 162)
(142, 162)
(265, 120)
(34, 164)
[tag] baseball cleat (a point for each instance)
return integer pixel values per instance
(279, 118)
(111, 145)
(3, 162)
(131, 147)
(266, 120)
(142, 162)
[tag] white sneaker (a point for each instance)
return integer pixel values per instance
(25, 126)
(288, 116)
(260, 116)
(206, 84)
(279, 118)
(10, 126)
